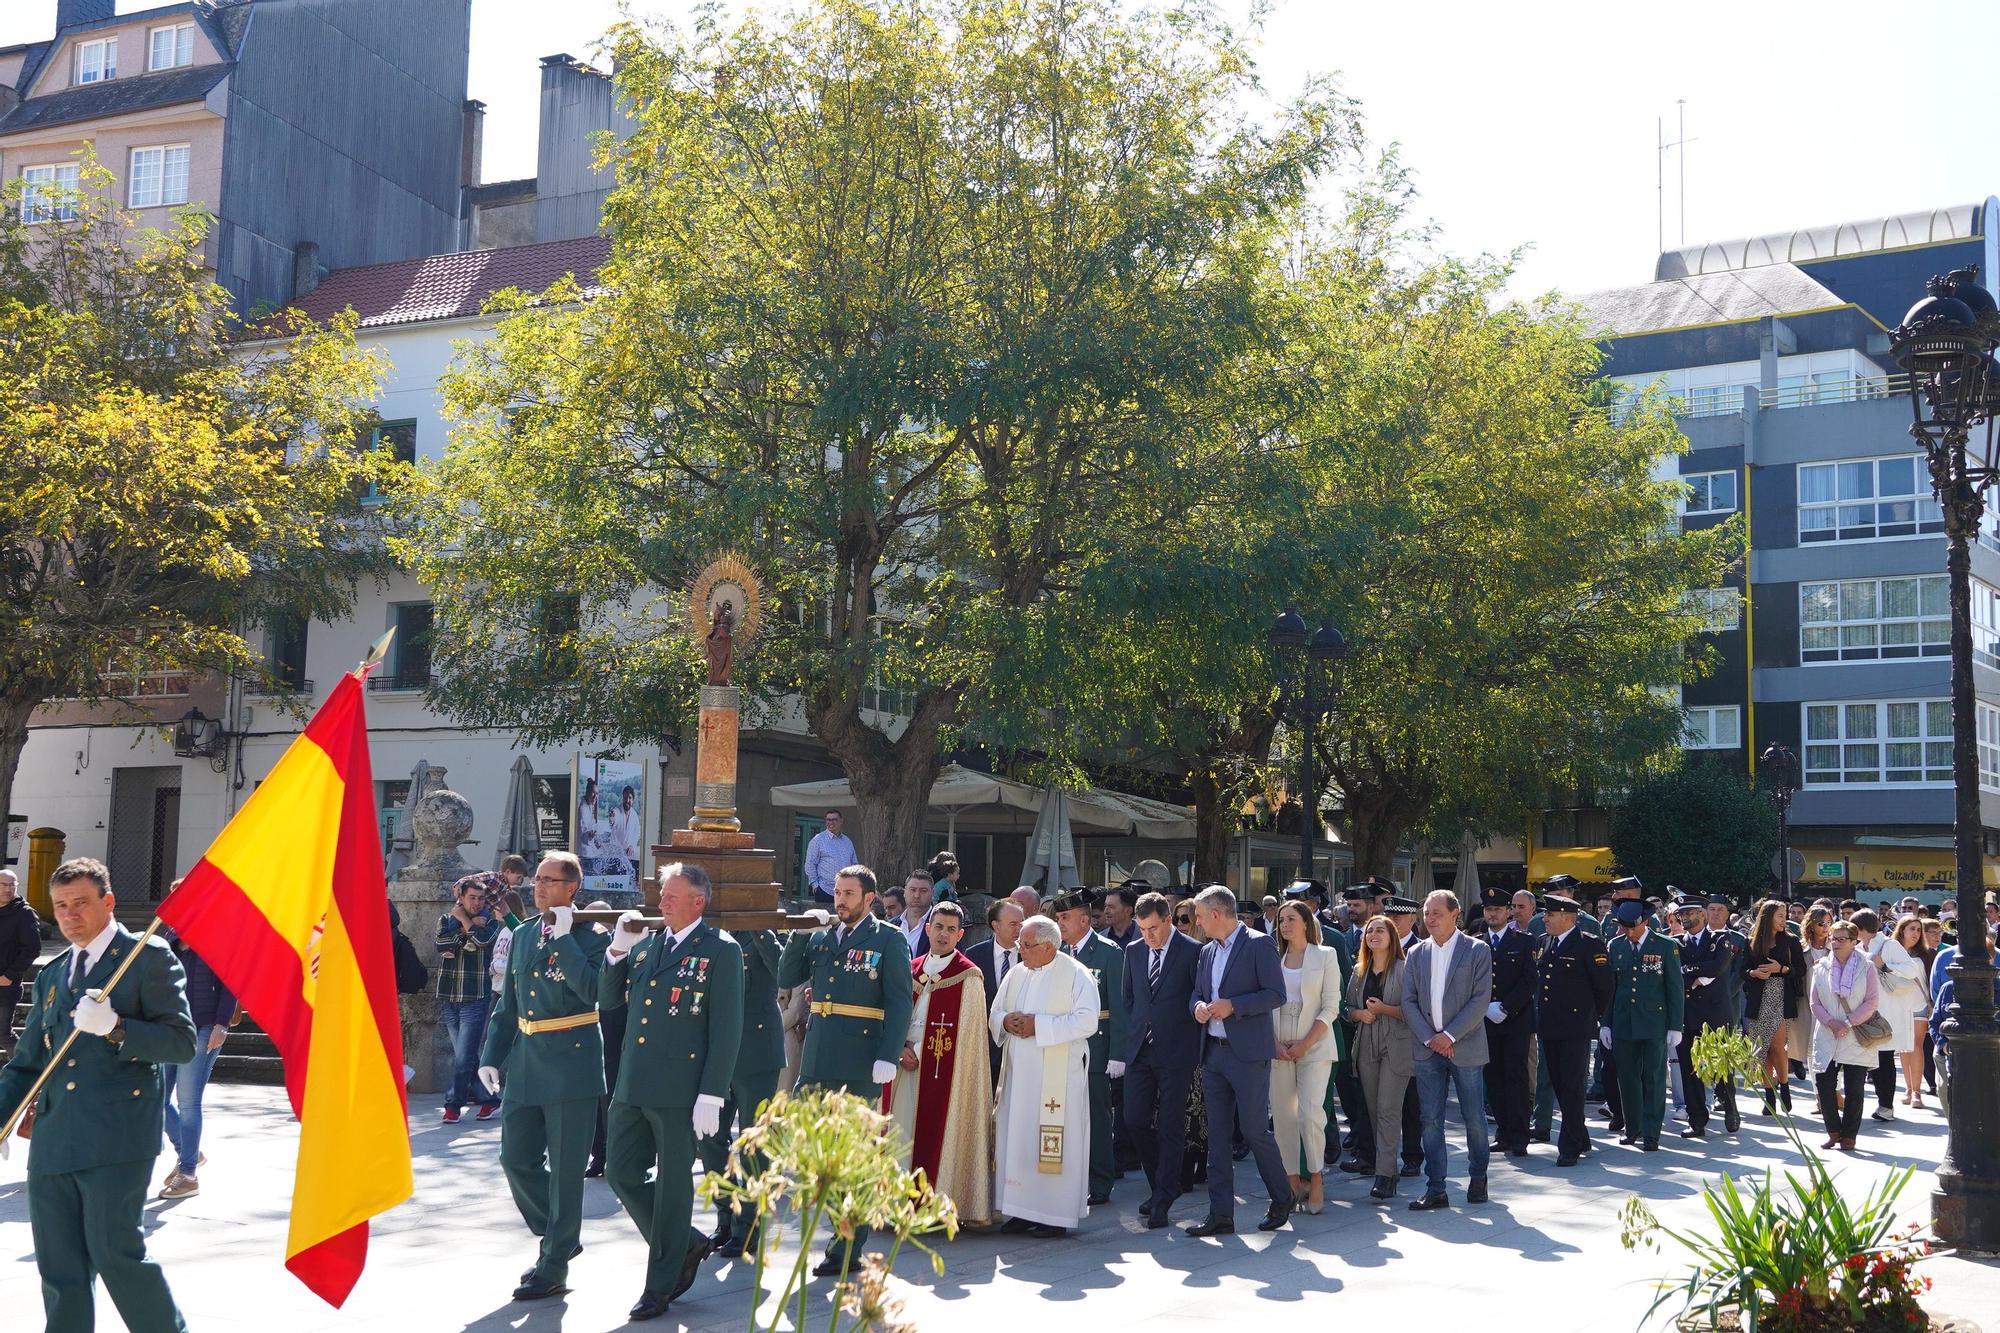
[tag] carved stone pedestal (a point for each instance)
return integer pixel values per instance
(421, 891)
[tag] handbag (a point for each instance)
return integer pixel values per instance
(1895, 983)
(1871, 1031)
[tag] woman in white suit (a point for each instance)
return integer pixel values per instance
(1305, 1050)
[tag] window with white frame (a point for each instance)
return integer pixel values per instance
(1985, 624)
(97, 61)
(170, 47)
(159, 176)
(1718, 728)
(1866, 620)
(1989, 746)
(1718, 609)
(48, 194)
(1709, 493)
(1870, 744)
(1866, 498)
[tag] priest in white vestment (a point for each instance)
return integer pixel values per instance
(1043, 1016)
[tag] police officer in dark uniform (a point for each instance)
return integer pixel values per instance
(1708, 958)
(1623, 888)
(1510, 1021)
(1573, 995)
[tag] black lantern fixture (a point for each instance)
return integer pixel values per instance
(1946, 344)
(1308, 667)
(1781, 767)
(198, 736)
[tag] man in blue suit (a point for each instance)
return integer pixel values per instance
(1238, 984)
(1162, 1048)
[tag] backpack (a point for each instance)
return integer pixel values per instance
(412, 977)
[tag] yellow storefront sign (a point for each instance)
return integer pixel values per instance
(1904, 869)
(1586, 865)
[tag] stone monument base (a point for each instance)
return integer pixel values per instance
(746, 889)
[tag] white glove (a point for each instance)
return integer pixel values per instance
(565, 917)
(885, 1071)
(628, 934)
(1604, 1036)
(707, 1115)
(1495, 1014)
(94, 1016)
(489, 1078)
(1703, 982)
(1673, 1041)
(820, 914)
(1114, 1068)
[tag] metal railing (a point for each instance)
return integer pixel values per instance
(1856, 388)
(412, 682)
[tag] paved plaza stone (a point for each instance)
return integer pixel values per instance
(1543, 1255)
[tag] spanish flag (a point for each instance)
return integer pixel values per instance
(288, 906)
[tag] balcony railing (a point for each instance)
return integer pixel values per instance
(1727, 400)
(410, 682)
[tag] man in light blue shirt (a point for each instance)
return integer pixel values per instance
(829, 852)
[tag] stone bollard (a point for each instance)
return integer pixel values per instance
(421, 890)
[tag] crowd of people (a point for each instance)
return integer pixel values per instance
(1167, 1031)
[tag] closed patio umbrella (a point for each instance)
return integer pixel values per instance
(520, 828)
(1051, 848)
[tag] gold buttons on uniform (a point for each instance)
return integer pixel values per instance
(72, 1062)
(70, 1086)
(135, 1092)
(642, 1041)
(648, 1001)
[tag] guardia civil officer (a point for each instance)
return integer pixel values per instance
(859, 970)
(1573, 999)
(1106, 965)
(683, 995)
(544, 1035)
(1645, 1020)
(97, 1118)
(1510, 1021)
(1709, 960)
(759, 1061)
(1626, 888)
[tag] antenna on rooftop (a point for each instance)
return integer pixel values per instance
(1660, 171)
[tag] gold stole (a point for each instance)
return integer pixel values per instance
(1055, 1083)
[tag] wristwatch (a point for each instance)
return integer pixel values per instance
(116, 1037)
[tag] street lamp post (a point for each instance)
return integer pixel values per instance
(1782, 766)
(1946, 343)
(1308, 669)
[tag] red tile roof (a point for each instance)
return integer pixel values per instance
(454, 286)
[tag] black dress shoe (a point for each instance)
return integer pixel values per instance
(691, 1267)
(1732, 1120)
(651, 1306)
(1539, 1136)
(1568, 1159)
(1411, 1170)
(1156, 1220)
(538, 1290)
(1280, 1214)
(1239, 1152)
(830, 1265)
(1615, 1124)
(730, 1249)
(1103, 1196)
(528, 1273)
(1518, 1150)
(1045, 1231)
(1650, 1145)
(1700, 1132)
(1354, 1166)
(1628, 1139)
(1213, 1226)
(719, 1237)
(1014, 1226)
(1430, 1203)
(1475, 1190)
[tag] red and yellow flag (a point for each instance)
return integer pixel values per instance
(288, 906)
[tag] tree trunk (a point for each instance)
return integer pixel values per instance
(15, 713)
(891, 799)
(1377, 823)
(1214, 826)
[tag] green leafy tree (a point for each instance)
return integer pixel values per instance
(904, 299)
(169, 484)
(1700, 826)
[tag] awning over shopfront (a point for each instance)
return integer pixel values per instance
(1902, 869)
(1586, 865)
(961, 792)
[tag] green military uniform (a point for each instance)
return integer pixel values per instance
(861, 1002)
(97, 1132)
(1107, 968)
(760, 1058)
(1646, 1004)
(544, 1036)
(683, 1025)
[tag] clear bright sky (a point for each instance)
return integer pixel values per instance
(1532, 122)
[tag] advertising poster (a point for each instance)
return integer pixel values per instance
(608, 830)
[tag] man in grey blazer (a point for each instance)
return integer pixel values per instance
(1239, 984)
(1447, 984)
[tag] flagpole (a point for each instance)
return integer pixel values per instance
(55, 1061)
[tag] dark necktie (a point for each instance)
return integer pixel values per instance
(1153, 971)
(1006, 961)
(839, 936)
(76, 973)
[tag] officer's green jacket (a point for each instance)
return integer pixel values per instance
(548, 979)
(685, 1019)
(103, 1103)
(1646, 990)
(861, 1001)
(1107, 968)
(763, 1048)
